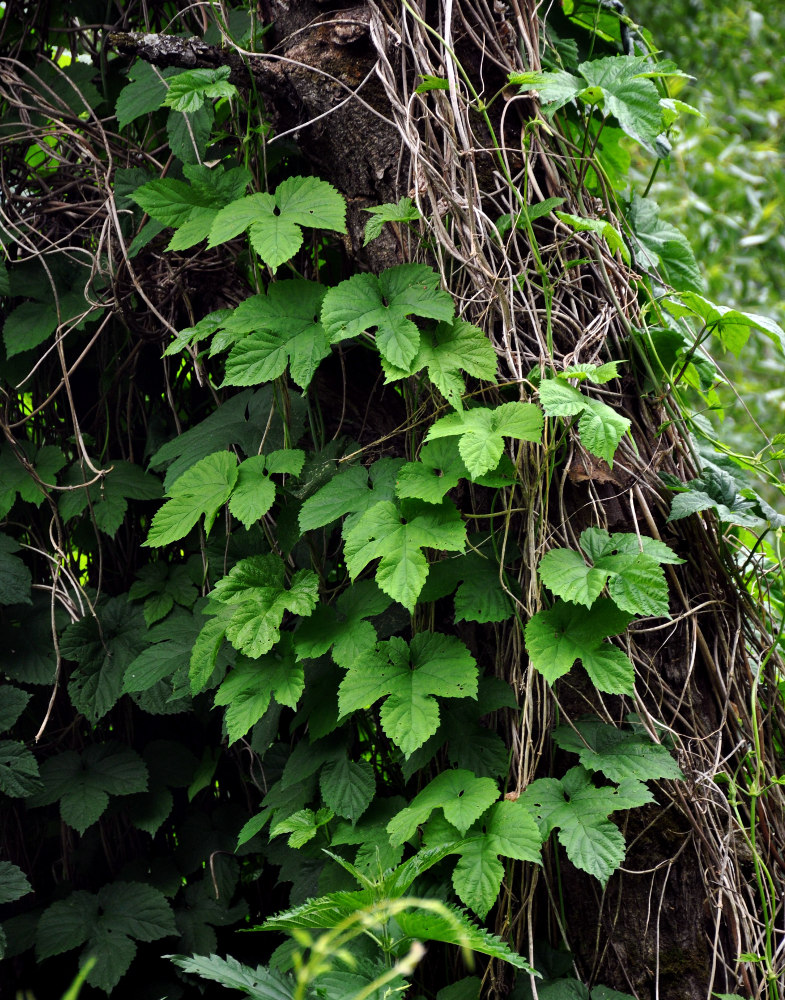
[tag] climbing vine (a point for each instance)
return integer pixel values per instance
(293, 590)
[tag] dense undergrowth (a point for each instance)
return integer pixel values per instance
(295, 576)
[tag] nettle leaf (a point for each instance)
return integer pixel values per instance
(274, 221)
(482, 431)
(601, 428)
(83, 782)
(256, 598)
(251, 684)
(366, 302)
(439, 469)
(404, 211)
(460, 930)
(556, 638)
(258, 983)
(13, 882)
(461, 796)
(109, 923)
(445, 351)
(104, 646)
(731, 326)
(203, 489)
(580, 810)
(610, 234)
(396, 536)
(617, 753)
(352, 491)
(188, 91)
(282, 327)
(410, 677)
(628, 563)
(347, 787)
(344, 627)
(15, 579)
(662, 246)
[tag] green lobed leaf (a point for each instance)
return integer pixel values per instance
(438, 470)
(284, 328)
(18, 770)
(482, 431)
(602, 227)
(556, 638)
(251, 684)
(617, 753)
(630, 98)
(366, 302)
(202, 490)
(145, 92)
(461, 796)
(254, 492)
(412, 676)
(13, 882)
(396, 536)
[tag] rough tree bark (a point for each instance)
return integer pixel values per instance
(341, 82)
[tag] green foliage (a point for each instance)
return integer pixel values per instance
(580, 810)
(384, 304)
(404, 211)
(601, 428)
(481, 432)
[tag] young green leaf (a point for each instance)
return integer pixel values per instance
(446, 351)
(580, 810)
(635, 579)
(344, 627)
(251, 684)
(397, 536)
(188, 91)
(256, 598)
(352, 491)
(366, 302)
(274, 221)
(731, 326)
(602, 227)
(556, 638)
(145, 92)
(461, 796)
(601, 428)
(482, 431)
(617, 753)
(203, 489)
(404, 211)
(302, 826)
(410, 677)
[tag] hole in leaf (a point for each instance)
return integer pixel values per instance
(276, 210)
